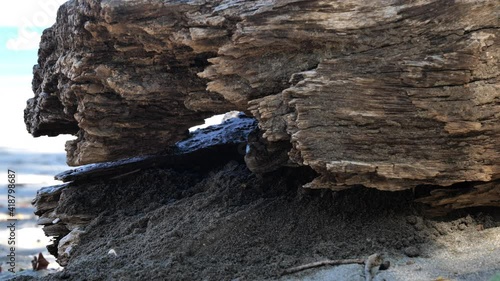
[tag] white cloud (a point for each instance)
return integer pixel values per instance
(25, 40)
(26, 14)
(29, 13)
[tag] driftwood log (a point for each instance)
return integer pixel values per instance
(387, 94)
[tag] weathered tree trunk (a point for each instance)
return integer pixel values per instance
(388, 94)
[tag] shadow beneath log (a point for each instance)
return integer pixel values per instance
(459, 196)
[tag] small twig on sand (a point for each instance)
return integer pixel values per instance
(321, 263)
(372, 261)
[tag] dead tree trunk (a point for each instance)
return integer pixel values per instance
(387, 94)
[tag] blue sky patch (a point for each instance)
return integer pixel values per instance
(17, 61)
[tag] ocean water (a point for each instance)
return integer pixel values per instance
(33, 170)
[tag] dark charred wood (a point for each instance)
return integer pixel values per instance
(465, 195)
(207, 147)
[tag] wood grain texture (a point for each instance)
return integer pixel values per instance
(388, 94)
(420, 109)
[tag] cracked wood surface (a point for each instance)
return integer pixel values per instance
(388, 94)
(420, 109)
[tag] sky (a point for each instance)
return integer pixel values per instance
(21, 25)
